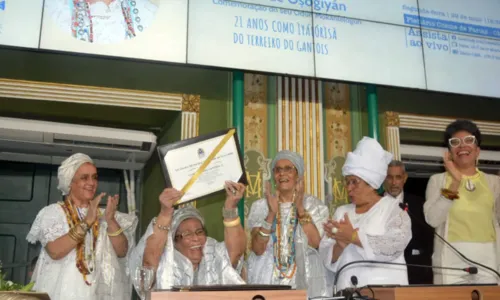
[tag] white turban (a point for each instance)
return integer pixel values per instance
(369, 161)
(67, 170)
(183, 214)
(295, 158)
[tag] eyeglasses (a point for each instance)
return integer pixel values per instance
(466, 140)
(287, 169)
(353, 181)
(189, 234)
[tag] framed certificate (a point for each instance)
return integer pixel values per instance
(200, 166)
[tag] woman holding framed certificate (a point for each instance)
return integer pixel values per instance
(287, 228)
(177, 247)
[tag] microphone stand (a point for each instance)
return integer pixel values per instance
(470, 270)
(404, 207)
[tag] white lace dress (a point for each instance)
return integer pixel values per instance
(384, 232)
(61, 278)
(310, 273)
(175, 269)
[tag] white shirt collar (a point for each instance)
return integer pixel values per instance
(398, 197)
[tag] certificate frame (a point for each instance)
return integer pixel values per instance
(189, 145)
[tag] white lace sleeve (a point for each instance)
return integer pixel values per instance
(137, 254)
(326, 245)
(392, 243)
(258, 213)
(129, 224)
(165, 275)
(49, 225)
(318, 211)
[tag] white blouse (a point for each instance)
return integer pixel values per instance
(61, 278)
(384, 232)
(175, 269)
(310, 273)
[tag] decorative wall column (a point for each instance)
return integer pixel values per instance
(338, 136)
(257, 136)
(190, 122)
(392, 134)
(300, 127)
(190, 116)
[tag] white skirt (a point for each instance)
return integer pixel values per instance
(483, 253)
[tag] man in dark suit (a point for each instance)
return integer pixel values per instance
(419, 250)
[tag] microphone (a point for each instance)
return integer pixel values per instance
(354, 280)
(470, 270)
(404, 206)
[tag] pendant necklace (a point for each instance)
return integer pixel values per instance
(469, 184)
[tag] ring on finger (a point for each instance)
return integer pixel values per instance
(233, 191)
(335, 230)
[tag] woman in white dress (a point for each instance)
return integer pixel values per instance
(370, 228)
(286, 230)
(101, 21)
(84, 248)
(177, 247)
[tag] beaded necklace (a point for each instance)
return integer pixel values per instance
(84, 264)
(284, 264)
(82, 25)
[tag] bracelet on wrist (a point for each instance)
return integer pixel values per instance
(266, 225)
(116, 233)
(448, 194)
(354, 236)
(305, 218)
(229, 213)
(263, 234)
(232, 223)
(84, 226)
(161, 227)
(74, 235)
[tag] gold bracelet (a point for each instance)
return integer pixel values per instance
(354, 236)
(232, 223)
(116, 233)
(263, 234)
(305, 219)
(449, 194)
(74, 235)
(78, 235)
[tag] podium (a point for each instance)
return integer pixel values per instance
(21, 295)
(231, 295)
(462, 292)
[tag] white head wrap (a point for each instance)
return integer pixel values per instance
(67, 170)
(295, 158)
(183, 214)
(369, 161)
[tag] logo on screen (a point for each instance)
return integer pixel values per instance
(201, 153)
(102, 21)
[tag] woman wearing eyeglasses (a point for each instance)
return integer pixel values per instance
(177, 247)
(286, 230)
(461, 205)
(371, 227)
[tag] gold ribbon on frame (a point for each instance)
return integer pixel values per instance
(207, 161)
